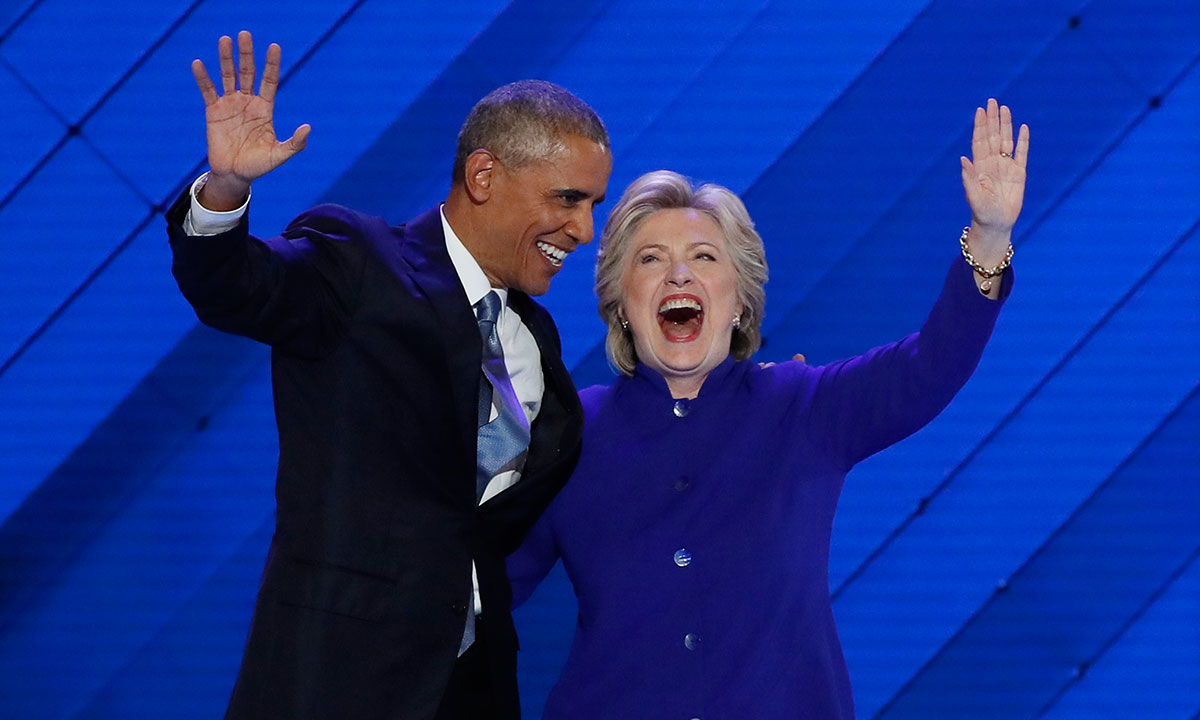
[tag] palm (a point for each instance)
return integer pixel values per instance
(242, 144)
(994, 178)
(241, 137)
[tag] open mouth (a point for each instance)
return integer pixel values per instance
(680, 317)
(553, 255)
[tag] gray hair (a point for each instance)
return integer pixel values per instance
(523, 122)
(665, 190)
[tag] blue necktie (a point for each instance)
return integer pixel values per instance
(502, 442)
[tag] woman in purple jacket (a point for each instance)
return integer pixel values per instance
(696, 527)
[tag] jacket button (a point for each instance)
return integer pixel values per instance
(683, 558)
(681, 408)
(691, 641)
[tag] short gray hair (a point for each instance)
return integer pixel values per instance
(523, 122)
(665, 190)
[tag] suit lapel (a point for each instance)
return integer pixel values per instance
(425, 251)
(559, 422)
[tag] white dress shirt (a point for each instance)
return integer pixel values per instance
(522, 357)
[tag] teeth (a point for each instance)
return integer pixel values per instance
(553, 254)
(678, 303)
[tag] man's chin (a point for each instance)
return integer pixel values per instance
(534, 289)
(537, 283)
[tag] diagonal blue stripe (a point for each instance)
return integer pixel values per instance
(1075, 595)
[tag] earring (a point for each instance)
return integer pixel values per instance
(737, 321)
(624, 324)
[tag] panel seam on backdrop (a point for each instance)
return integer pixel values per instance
(166, 460)
(12, 27)
(857, 80)
(599, 348)
(691, 82)
(1117, 142)
(74, 294)
(1017, 240)
(267, 525)
(116, 170)
(32, 90)
(154, 210)
(1125, 627)
(77, 127)
(1058, 366)
(1055, 534)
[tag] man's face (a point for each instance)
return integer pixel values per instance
(540, 213)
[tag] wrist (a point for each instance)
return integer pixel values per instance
(987, 269)
(989, 244)
(223, 193)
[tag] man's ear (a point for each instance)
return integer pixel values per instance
(480, 173)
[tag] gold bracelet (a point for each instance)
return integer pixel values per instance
(986, 286)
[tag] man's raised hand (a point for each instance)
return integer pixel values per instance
(242, 145)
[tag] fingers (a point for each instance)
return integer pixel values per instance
(1022, 152)
(225, 53)
(993, 126)
(979, 142)
(246, 62)
(207, 91)
(1006, 133)
(799, 357)
(993, 135)
(270, 78)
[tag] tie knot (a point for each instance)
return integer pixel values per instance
(489, 308)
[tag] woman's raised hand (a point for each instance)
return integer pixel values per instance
(994, 177)
(242, 145)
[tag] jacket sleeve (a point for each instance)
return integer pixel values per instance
(866, 403)
(530, 564)
(295, 292)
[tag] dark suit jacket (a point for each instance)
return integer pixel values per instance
(376, 368)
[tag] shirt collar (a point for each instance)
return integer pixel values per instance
(472, 277)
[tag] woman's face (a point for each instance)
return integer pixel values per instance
(679, 295)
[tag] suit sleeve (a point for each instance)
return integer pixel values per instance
(864, 404)
(295, 292)
(530, 564)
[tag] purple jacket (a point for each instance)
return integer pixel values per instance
(696, 533)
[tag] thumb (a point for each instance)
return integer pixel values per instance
(298, 140)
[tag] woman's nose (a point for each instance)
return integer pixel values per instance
(680, 274)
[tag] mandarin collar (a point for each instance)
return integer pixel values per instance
(651, 381)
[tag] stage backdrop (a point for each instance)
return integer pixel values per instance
(1032, 553)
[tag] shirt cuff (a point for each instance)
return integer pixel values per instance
(202, 221)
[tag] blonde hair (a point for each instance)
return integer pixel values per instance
(666, 190)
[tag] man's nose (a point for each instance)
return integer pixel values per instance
(581, 227)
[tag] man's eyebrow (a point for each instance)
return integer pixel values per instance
(570, 194)
(575, 195)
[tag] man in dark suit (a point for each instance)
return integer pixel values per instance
(384, 594)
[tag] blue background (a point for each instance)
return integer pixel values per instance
(1032, 553)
